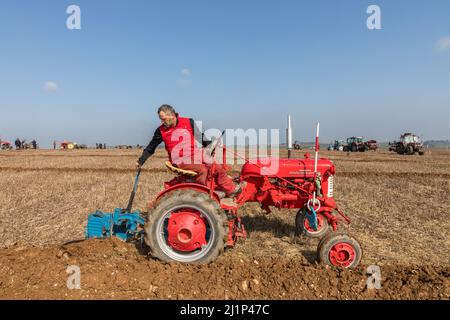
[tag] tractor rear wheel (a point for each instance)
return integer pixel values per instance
(340, 250)
(186, 226)
(302, 226)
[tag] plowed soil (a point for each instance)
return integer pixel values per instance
(116, 270)
(399, 207)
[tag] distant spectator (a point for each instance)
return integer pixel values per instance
(17, 144)
(34, 144)
(54, 144)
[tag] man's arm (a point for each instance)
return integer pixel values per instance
(150, 149)
(198, 135)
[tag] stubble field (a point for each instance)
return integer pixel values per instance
(399, 207)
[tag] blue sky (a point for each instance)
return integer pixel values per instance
(232, 64)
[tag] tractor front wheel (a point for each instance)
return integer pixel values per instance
(410, 150)
(186, 226)
(303, 227)
(340, 250)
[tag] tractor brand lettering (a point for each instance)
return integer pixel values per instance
(73, 21)
(193, 310)
(74, 278)
(374, 20)
(330, 187)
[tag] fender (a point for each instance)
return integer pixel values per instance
(186, 186)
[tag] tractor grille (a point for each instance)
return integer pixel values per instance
(330, 187)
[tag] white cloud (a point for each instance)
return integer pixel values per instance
(186, 72)
(442, 44)
(50, 86)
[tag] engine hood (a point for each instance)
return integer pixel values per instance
(294, 168)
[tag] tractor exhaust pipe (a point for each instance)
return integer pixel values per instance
(289, 136)
(316, 157)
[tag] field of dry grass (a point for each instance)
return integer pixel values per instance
(399, 205)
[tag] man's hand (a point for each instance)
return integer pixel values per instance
(138, 165)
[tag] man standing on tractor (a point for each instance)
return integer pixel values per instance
(173, 128)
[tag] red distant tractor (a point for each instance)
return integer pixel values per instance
(191, 223)
(5, 145)
(372, 145)
(68, 145)
(408, 144)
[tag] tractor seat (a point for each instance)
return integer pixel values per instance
(179, 171)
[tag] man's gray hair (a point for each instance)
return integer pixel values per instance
(166, 109)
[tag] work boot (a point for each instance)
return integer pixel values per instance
(220, 194)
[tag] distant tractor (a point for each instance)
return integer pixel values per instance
(408, 144)
(124, 146)
(68, 145)
(296, 145)
(337, 145)
(372, 145)
(355, 144)
(5, 145)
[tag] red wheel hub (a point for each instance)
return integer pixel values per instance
(342, 254)
(187, 231)
(320, 223)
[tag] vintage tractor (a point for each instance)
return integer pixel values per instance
(297, 145)
(194, 223)
(408, 144)
(5, 145)
(355, 144)
(337, 145)
(69, 145)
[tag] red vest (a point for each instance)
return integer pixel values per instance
(180, 143)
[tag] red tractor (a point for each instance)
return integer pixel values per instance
(372, 145)
(192, 223)
(5, 145)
